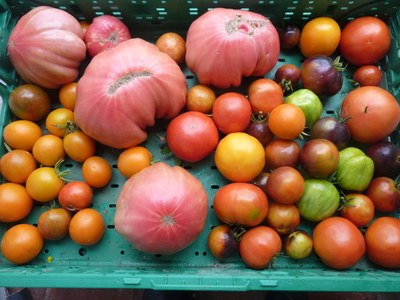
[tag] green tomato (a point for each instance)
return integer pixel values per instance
(319, 201)
(308, 102)
(355, 169)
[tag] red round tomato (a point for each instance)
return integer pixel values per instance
(259, 246)
(319, 157)
(282, 152)
(75, 195)
(285, 185)
(365, 40)
(338, 242)
(374, 113)
(367, 75)
(359, 209)
(231, 112)
(287, 121)
(53, 224)
(192, 136)
(264, 95)
(382, 238)
(384, 193)
(241, 203)
(283, 218)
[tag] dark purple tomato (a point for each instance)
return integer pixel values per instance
(386, 158)
(320, 74)
(331, 129)
(260, 130)
(222, 242)
(289, 37)
(287, 76)
(261, 181)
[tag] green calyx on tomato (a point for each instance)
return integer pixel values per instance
(355, 169)
(319, 201)
(308, 102)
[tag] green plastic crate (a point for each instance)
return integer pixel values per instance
(112, 263)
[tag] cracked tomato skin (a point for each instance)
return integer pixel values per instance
(223, 45)
(105, 33)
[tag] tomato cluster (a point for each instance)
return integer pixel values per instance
(283, 159)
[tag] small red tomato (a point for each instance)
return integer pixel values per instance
(359, 209)
(283, 218)
(384, 193)
(368, 75)
(75, 195)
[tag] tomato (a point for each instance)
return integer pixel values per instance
(67, 95)
(16, 165)
(192, 136)
(79, 146)
(319, 201)
(287, 76)
(200, 98)
(96, 171)
(53, 224)
(172, 44)
(283, 218)
(231, 112)
(259, 128)
(287, 121)
(22, 134)
(240, 203)
(298, 244)
(21, 243)
(332, 129)
(259, 246)
(133, 160)
(358, 208)
(382, 238)
(85, 26)
(320, 36)
(15, 202)
(319, 158)
(280, 152)
(57, 120)
(239, 157)
(29, 102)
(222, 242)
(289, 37)
(367, 75)
(261, 181)
(48, 150)
(264, 95)
(285, 185)
(375, 113)
(386, 157)
(338, 243)
(87, 227)
(75, 195)
(365, 40)
(384, 193)
(44, 184)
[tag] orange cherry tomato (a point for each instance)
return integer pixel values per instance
(48, 150)
(44, 184)
(15, 202)
(67, 95)
(133, 160)
(96, 171)
(264, 95)
(172, 44)
(17, 165)
(59, 117)
(21, 243)
(79, 146)
(87, 227)
(287, 121)
(200, 98)
(22, 134)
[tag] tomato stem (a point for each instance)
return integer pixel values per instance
(59, 173)
(8, 148)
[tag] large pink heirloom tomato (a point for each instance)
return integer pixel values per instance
(46, 47)
(161, 209)
(225, 44)
(123, 91)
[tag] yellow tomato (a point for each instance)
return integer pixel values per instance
(320, 36)
(239, 157)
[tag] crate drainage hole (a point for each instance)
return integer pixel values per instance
(198, 253)
(122, 252)
(82, 251)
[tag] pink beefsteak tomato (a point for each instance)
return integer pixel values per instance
(123, 91)
(104, 33)
(223, 45)
(161, 209)
(46, 47)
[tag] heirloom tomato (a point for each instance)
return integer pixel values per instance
(96, 171)
(200, 98)
(282, 152)
(172, 44)
(48, 150)
(87, 227)
(283, 218)
(22, 134)
(79, 146)
(75, 196)
(17, 165)
(358, 208)
(222, 242)
(264, 95)
(133, 160)
(56, 121)
(367, 75)
(53, 224)
(287, 121)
